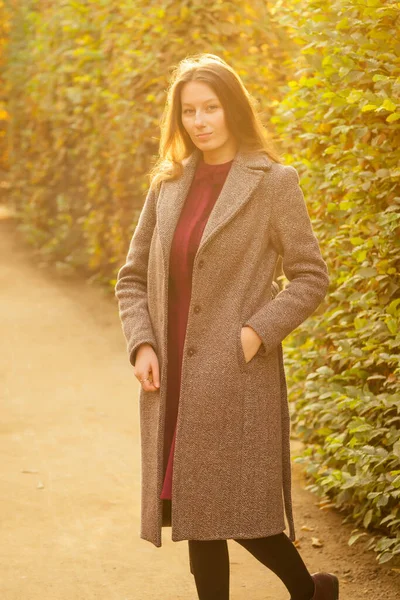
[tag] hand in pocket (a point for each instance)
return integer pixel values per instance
(250, 341)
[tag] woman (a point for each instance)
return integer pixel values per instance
(204, 331)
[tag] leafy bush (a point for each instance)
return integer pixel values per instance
(340, 119)
(4, 28)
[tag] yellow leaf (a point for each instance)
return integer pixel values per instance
(368, 107)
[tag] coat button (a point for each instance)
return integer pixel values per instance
(191, 351)
(197, 308)
(201, 263)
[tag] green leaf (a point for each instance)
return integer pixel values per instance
(367, 517)
(355, 537)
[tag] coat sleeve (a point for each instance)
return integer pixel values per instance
(131, 285)
(302, 264)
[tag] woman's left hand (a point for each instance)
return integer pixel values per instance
(251, 342)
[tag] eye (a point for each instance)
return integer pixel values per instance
(187, 110)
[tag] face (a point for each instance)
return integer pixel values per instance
(203, 117)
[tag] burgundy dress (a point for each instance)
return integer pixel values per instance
(204, 191)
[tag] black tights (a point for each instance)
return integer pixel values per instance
(209, 561)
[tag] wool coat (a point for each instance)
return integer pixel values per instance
(232, 466)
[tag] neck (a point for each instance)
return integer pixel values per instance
(220, 155)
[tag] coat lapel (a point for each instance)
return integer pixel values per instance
(244, 175)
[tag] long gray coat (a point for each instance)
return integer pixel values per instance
(232, 469)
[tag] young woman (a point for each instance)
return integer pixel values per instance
(204, 327)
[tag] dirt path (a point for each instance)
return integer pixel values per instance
(69, 442)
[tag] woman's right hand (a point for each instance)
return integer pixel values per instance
(146, 366)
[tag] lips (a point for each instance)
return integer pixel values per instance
(203, 136)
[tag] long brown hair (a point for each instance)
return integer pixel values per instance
(239, 106)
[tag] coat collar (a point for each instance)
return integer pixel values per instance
(246, 172)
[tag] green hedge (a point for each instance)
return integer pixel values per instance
(4, 162)
(341, 120)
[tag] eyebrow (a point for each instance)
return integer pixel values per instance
(205, 101)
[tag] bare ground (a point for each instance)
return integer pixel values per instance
(69, 442)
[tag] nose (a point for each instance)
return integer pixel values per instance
(199, 119)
